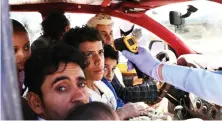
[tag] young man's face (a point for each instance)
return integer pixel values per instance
(62, 91)
(95, 54)
(106, 32)
(110, 66)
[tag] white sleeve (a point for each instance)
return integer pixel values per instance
(205, 84)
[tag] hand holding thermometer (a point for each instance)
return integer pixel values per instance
(128, 43)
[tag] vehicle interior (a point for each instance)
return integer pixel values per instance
(164, 33)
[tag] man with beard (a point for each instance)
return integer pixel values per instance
(55, 81)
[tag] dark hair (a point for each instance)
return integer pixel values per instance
(54, 25)
(78, 35)
(110, 52)
(17, 27)
(46, 61)
(92, 111)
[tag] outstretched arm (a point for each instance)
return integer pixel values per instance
(202, 83)
(207, 85)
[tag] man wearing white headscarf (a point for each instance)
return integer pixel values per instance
(104, 24)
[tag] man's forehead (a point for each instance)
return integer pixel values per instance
(104, 27)
(68, 66)
(91, 46)
(110, 61)
(69, 69)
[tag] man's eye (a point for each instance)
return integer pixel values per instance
(26, 47)
(88, 55)
(61, 89)
(105, 68)
(113, 69)
(101, 52)
(82, 84)
(104, 34)
(111, 33)
(15, 49)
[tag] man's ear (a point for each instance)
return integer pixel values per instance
(35, 103)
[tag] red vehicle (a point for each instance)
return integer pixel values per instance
(137, 12)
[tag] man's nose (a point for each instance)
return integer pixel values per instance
(109, 39)
(20, 55)
(109, 73)
(98, 59)
(79, 95)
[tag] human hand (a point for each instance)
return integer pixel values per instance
(131, 110)
(144, 61)
(137, 81)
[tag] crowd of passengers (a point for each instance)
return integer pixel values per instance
(71, 73)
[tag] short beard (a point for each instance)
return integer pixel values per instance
(77, 103)
(49, 116)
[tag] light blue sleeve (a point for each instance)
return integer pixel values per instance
(205, 84)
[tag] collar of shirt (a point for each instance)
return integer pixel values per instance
(107, 97)
(41, 119)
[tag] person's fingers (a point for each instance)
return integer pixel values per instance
(139, 107)
(143, 104)
(141, 110)
(150, 109)
(128, 55)
(141, 49)
(144, 113)
(129, 66)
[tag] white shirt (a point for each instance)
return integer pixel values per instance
(107, 96)
(41, 119)
(119, 76)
